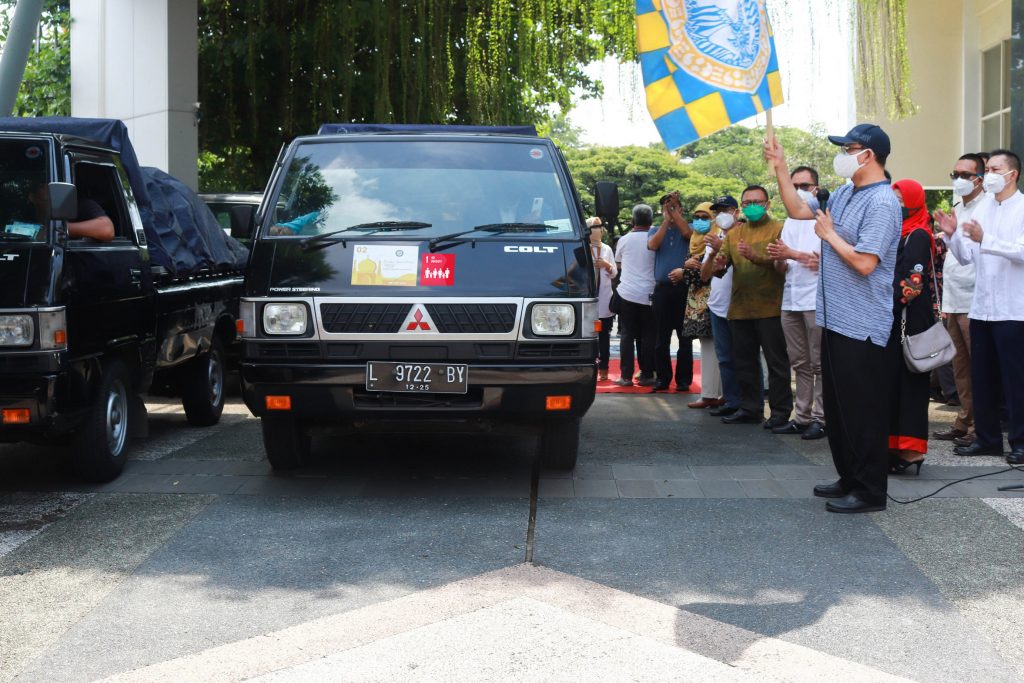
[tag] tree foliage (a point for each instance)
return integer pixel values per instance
(272, 70)
(723, 163)
(46, 88)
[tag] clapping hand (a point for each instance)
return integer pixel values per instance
(946, 222)
(715, 241)
(973, 230)
(745, 250)
(692, 263)
(778, 250)
(812, 261)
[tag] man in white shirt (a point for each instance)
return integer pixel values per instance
(636, 285)
(957, 292)
(993, 240)
(796, 254)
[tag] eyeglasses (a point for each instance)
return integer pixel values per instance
(851, 148)
(752, 202)
(963, 175)
(806, 187)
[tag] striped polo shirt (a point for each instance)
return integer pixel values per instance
(850, 304)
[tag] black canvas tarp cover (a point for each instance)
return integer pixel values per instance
(183, 235)
(339, 128)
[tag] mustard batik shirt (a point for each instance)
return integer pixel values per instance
(756, 285)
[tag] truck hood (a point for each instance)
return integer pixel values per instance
(490, 267)
(26, 273)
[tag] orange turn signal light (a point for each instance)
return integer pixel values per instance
(559, 402)
(279, 402)
(239, 326)
(17, 416)
(597, 326)
(60, 337)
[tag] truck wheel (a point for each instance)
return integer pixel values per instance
(102, 444)
(559, 444)
(202, 393)
(286, 443)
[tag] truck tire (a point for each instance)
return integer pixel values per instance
(559, 444)
(101, 447)
(202, 393)
(286, 443)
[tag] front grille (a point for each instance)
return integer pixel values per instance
(473, 318)
(563, 350)
(365, 318)
(370, 400)
(283, 350)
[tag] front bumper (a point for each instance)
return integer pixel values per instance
(336, 394)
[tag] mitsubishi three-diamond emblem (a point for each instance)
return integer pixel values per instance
(418, 321)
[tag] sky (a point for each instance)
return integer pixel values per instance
(815, 67)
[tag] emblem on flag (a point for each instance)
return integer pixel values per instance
(706, 64)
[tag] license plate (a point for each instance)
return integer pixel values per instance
(424, 378)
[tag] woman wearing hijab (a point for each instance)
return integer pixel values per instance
(913, 301)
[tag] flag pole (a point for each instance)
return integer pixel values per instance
(769, 128)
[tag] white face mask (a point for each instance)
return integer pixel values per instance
(962, 187)
(845, 165)
(995, 182)
(725, 220)
(809, 198)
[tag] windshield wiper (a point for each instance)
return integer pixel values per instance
(329, 238)
(496, 228)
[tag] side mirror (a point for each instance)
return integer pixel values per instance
(241, 221)
(63, 201)
(606, 202)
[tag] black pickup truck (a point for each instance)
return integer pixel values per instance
(87, 325)
(420, 279)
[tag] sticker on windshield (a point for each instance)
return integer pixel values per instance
(385, 265)
(438, 270)
(33, 152)
(536, 153)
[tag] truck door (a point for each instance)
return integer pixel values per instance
(109, 285)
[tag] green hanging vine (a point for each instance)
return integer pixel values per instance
(881, 61)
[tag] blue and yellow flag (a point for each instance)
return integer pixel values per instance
(706, 63)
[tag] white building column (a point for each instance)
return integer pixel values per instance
(138, 61)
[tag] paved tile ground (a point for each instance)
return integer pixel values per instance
(694, 543)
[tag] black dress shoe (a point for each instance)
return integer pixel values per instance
(646, 382)
(977, 449)
(723, 411)
(791, 427)
(659, 387)
(966, 440)
(815, 430)
(949, 434)
(833, 490)
(856, 501)
(775, 421)
(741, 417)
(1016, 457)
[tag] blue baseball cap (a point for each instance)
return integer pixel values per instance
(867, 134)
(724, 202)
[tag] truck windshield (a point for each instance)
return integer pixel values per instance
(23, 193)
(452, 186)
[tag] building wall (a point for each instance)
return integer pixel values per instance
(945, 39)
(137, 60)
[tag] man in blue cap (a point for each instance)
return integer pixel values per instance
(859, 234)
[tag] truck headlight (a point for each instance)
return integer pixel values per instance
(553, 319)
(590, 328)
(17, 330)
(285, 319)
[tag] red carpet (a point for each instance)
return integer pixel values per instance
(610, 387)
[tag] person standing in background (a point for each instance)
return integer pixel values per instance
(697, 318)
(670, 243)
(715, 268)
(636, 285)
(957, 292)
(604, 272)
(796, 255)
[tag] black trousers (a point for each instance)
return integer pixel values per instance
(749, 338)
(604, 342)
(635, 320)
(669, 304)
(856, 412)
(997, 359)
